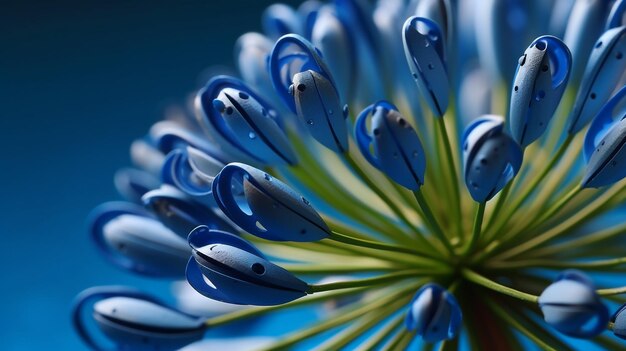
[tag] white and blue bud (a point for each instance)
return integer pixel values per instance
(540, 80)
(396, 149)
(242, 122)
(604, 144)
(132, 239)
(304, 82)
(572, 306)
(192, 172)
(132, 320)
(238, 273)
(434, 314)
(619, 322)
(266, 207)
(604, 70)
(491, 157)
(281, 19)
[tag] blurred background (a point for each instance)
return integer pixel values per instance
(79, 80)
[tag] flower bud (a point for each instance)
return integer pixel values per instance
(434, 314)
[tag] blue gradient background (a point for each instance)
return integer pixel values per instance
(78, 82)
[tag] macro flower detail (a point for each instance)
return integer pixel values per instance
(133, 320)
(398, 152)
(539, 84)
(571, 305)
(434, 314)
(454, 206)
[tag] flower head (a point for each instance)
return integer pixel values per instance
(276, 187)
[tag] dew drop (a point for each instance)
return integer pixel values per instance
(540, 95)
(251, 135)
(431, 66)
(330, 112)
(306, 202)
(310, 122)
(415, 154)
(267, 176)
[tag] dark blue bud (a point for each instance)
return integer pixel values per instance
(619, 322)
(424, 50)
(604, 144)
(191, 171)
(167, 136)
(572, 307)
(132, 184)
(305, 84)
(134, 321)
(490, 156)
(434, 314)
(238, 273)
(331, 37)
(242, 122)
(130, 238)
(180, 212)
(540, 80)
(604, 70)
(397, 150)
(266, 207)
(280, 19)
(616, 16)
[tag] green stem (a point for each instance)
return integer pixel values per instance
(373, 341)
(333, 269)
(490, 284)
(387, 278)
(399, 341)
(432, 221)
(336, 236)
(589, 265)
(456, 205)
(499, 204)
(257, 311)
(612, 291)
(478, 222)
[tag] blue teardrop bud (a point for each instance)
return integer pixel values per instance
(134, 321)
(434, 314)
(130, 238)
(572, 307)
(540, 80)
(330, 36)
(238, 273)
(604, 69)
(305, 84)
(132, 184)
(605, 164)
(616, 16)
(501, 28)
(242, 122)
(265, 206)
(397, 150)
(280, 19)
(619, 322)
(424, 50)
(490, 156)
(191, 171)
(585, 24)
(181, 213)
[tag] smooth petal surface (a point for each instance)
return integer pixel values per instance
(130, 238)
(604, 70)
(571, 306)
(132, 184)
(424, 50)
(281, 19)
(191, 171)
(265, 206)
(397, 150)
(540, 80)
(619, 322)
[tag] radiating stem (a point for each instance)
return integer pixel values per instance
(378, 245)
(375, 339)
(490, 284)
(382, 279)
(478, 222)
(432, 221)
(456, 205)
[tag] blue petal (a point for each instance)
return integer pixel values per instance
(434, 314)
(132, 184)
(242, 122)
(606, 163)
(397, 149)
(572, 306)
(266, 207)
(616, 16)
(280, 19)
(540, 81)
(424, 50)
(167, 136)
(130, 238)
(602, 74)
(491, 157)
(140, 324)
(436, 11)
(191, 171)
(252, 51)
(181, 213)
(305, 84)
